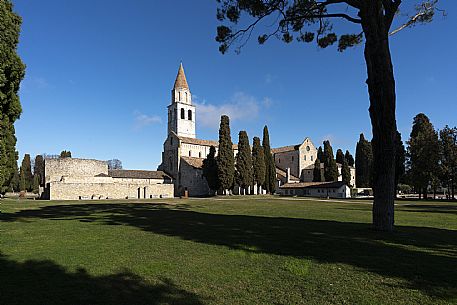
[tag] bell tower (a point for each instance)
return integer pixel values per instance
(181, 112)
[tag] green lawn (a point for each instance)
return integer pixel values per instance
(225, 251)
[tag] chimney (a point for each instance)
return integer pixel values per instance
(288, 175)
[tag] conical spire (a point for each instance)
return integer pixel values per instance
(181, 81)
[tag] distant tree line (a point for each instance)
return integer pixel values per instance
(30, 175)
(428, 163)
(248, 169)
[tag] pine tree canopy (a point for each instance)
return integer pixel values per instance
(225, 158)
(65, 154)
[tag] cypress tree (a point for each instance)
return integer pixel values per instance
(346, 173)
(38, 169)
(14, 185)
(258, 161)
(349, 158)
(225, 158)
(320, 154)
(363, 163)
(270, 167)
(36, 184)
(400, 158)
(12, 71)
(423, 154)
(330, 167)
(317, 173)
(26, 178)
(448, 158)
(210, 170)
(244, 162)
(339, 156)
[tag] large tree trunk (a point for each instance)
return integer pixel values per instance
(381, 88)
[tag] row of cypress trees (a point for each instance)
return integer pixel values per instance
(247, 169)
(25, 179)
(330, 173)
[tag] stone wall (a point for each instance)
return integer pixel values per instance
(54, 169)
(114, 190)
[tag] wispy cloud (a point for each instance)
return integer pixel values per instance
(142, 120)
(35, 83)
(269, 78)
(240, 107)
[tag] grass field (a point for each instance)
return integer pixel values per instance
(225, 251)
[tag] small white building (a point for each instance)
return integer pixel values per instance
(337, 189)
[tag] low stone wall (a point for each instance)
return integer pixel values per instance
(76, 191)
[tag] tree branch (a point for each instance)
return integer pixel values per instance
(407, 24)
(336, 15)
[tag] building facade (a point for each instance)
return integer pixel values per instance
(298, 160)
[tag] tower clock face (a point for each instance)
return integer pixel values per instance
(307, 148)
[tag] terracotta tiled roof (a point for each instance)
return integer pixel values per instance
(137, 174)
(193, 161)
(198, 141)
(181, 81)
(335, 184)
(202, 142)
(285, 149)
(102, 175)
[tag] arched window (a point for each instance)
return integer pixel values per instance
(179, 95)
(182, 113)
(199, 154)
(186, 97)
(190, 154)
(312, 159)
(171, 141)
(189, 115)
(305, 157)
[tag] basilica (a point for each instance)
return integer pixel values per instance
(183, 153)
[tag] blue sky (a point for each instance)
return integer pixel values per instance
(99, 75)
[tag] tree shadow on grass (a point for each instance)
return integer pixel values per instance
(426, 258)
(43, 282)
